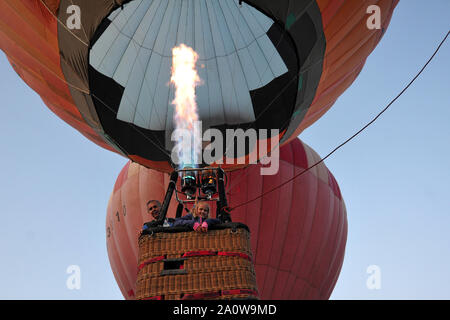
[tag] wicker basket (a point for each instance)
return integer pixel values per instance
(177, 263)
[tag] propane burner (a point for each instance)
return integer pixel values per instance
(189, 183)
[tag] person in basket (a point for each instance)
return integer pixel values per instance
(154, 209)
(199, 219)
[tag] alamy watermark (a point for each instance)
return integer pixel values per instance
(229, 149)
(374, 20)
(73, 282)
(374, 280)
(74, 20)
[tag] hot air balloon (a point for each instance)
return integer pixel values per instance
(298, 231)
(104, 66)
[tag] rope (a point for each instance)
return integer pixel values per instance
(354, 135)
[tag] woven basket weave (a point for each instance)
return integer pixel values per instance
(191, 265)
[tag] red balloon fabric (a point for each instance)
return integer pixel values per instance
(298, 231)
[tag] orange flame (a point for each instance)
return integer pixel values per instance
(185, 78)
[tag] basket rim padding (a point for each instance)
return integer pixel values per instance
(221, 226)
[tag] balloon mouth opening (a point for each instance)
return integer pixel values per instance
(247, 76)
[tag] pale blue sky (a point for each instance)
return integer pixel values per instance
(395, 176)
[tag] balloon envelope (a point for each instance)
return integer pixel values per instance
(104, 66)
(298, 232)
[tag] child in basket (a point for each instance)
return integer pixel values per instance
(199, 220)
